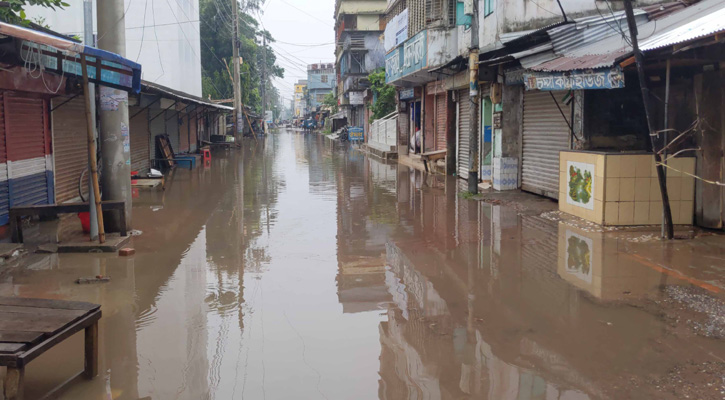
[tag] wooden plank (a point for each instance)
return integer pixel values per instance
(48, 303)
(34, 323)
(47, 344)
(12, 348)
(43, 311)
(21, 337)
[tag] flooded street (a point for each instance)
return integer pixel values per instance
(299, 269)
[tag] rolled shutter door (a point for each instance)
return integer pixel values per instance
(70, 147)
(464, 123)
(157, 127)
(139, 140)
(4, 189)
(429, 124)
(546, 133)
(194, 134)
(172, 130)
(184, 134)
(27, 150)
(441, 121)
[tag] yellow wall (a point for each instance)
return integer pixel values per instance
(626, 190)
(362, 6)
(368, 23)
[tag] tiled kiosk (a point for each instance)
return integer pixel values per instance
(621, 189)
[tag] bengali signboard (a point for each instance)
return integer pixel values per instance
(355, 134)
(576, 80)
(407, 94)
(412, 56)
(396, 32)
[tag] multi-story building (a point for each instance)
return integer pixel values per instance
(359, 51)
(162, 36)
(321, 80)
(300, 99)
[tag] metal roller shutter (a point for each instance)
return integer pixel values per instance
(172, 129)
(4, 188)
(464, 122)
(184, 134)
(140, 157)
(429, 123)
(546, 133)
(31, 180)
(441, 121)
(70, 147)
(157, 127)
(193, 136)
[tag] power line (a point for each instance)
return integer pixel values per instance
(158, 49)
(305, 12)
(143, 32)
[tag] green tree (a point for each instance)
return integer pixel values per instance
(13, 11)
(330, 101)
(383, 95)
(216, 59)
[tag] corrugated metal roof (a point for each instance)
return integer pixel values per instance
(597, 43)
(703, 19)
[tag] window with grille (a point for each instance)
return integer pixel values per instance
(323, 79)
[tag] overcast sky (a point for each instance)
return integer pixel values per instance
(304, 30)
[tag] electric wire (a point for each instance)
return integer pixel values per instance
(143, 32)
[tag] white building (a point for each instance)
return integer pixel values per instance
(161, 35)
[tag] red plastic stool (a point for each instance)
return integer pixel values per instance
(207, 155)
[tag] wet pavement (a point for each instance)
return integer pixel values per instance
(301, 269)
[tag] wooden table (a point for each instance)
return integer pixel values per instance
(30, 327)
(432, 156)
(53, 210)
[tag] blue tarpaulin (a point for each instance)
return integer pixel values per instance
(63, 57)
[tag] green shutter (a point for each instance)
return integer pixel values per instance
(487, 7)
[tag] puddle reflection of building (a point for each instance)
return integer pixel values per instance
(603, 265)
(365, 218)
(433, 351)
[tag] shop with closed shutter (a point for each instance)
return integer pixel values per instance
(463, 115)
(436, 116)
(70, 146)
(545, 133)
(26, 169)
(140, 153)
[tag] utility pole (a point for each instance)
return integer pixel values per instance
(264, 77)
(639, 58)
(237, 72)
(474, 117)
(88, 40)
(114, 134)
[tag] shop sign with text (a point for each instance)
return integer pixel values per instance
(412, 56)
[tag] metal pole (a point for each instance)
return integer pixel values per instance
(237, 71)
(90, 129)
(264, 81)
(473, 106)
(667, 126)
(88, 40)
(639, 57)
(115, 139)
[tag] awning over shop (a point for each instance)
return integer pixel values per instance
(585, 53)
(62, 57)
(152, 88)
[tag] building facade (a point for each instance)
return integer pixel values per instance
(359, 25)
(321, 80)
(173, 60)
(300, 99)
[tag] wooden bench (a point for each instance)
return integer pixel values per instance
(30, 327)
(52, 210)
(432, 156)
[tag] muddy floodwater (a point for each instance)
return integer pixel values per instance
(300, 269)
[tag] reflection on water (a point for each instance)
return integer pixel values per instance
(300, 269)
